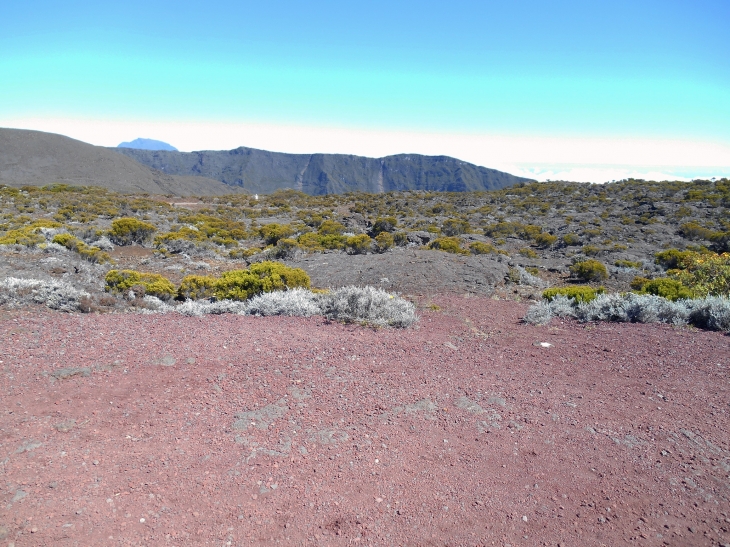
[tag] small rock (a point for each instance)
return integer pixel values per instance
(70, 372)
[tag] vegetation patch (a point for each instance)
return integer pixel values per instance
(579, 293)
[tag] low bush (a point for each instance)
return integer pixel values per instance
(671, 289)
(693, 231)
(527, 252)
(244, 253)
(448, 245)
(128, 230)
(272, 233)
(578, 293)
(545, 240)
(671, 258)
(368, 305)
(628, 264)
(259, 278)
(455, 227)
(196, 287)
(121, 281)
(93, 254)
(359, 244)
(479, 248)
(384, 241)
(56, 295)
(712, 312)
(589, 270)
(28, 236)
(571, 240)
(705, 274)
(387, 224)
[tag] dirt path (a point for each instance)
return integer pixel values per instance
(223, 430)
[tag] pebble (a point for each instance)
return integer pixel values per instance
(141, 520)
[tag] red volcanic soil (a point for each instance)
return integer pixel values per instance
(225, 430)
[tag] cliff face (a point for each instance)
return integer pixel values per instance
(263, 172)
(36, 158)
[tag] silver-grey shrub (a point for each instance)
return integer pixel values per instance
(368, 305)
(712, 312)
(295, 302)
(56, 295)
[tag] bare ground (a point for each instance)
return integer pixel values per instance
(122, 429)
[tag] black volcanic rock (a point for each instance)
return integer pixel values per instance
(263, 172)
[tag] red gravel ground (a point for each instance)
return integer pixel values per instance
(228, 430)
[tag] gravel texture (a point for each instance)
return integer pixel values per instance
(471, 429)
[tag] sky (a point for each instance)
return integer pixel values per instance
(570, 90)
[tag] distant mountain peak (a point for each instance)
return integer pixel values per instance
(148, 144)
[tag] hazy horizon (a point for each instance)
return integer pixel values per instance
(569, 91)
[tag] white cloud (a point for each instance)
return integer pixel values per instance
(541, 157)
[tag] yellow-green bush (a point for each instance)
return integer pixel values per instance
(589, 270)
(479, 248)
(581, 293)
(545, 240)
(331, 228)
(87, 252)
(448, 245)
(126, 231)
(455, 227)
(513, 229)
(527, 252)
(261, 277)
(571, 239)
(154, 284)
(668, 288)
(384, 241)
(671, 258)
(704, 273)
(196, 287)
(274, 232)
(387, 224)
(28, 236)
(244, 253)
(627, 264)
(359, 244)
(590, 250)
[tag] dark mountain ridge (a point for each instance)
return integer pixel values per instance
(264, 172)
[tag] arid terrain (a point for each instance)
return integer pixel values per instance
(121, 429)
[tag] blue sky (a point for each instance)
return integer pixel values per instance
(589, 89)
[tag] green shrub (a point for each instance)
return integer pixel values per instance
(359, 244)
(331, 228)
(671, 258)
(260, 277)
(400, 239)
(627, 264)
(154, 284)
(244, 253)
(384, 241)
(545, 240)
(571, 239)
(529, 253)
(638, 282)
(580, 293)
(381, 225)
(692, 230)
(479, 248)
(272, 233)
(589, 270)
(126, 231)
(455, 227)
(448, 245)
(705, 273)
(590, 250)
(196, 287)
(72, 243)
(671, 289)
(28, 236)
